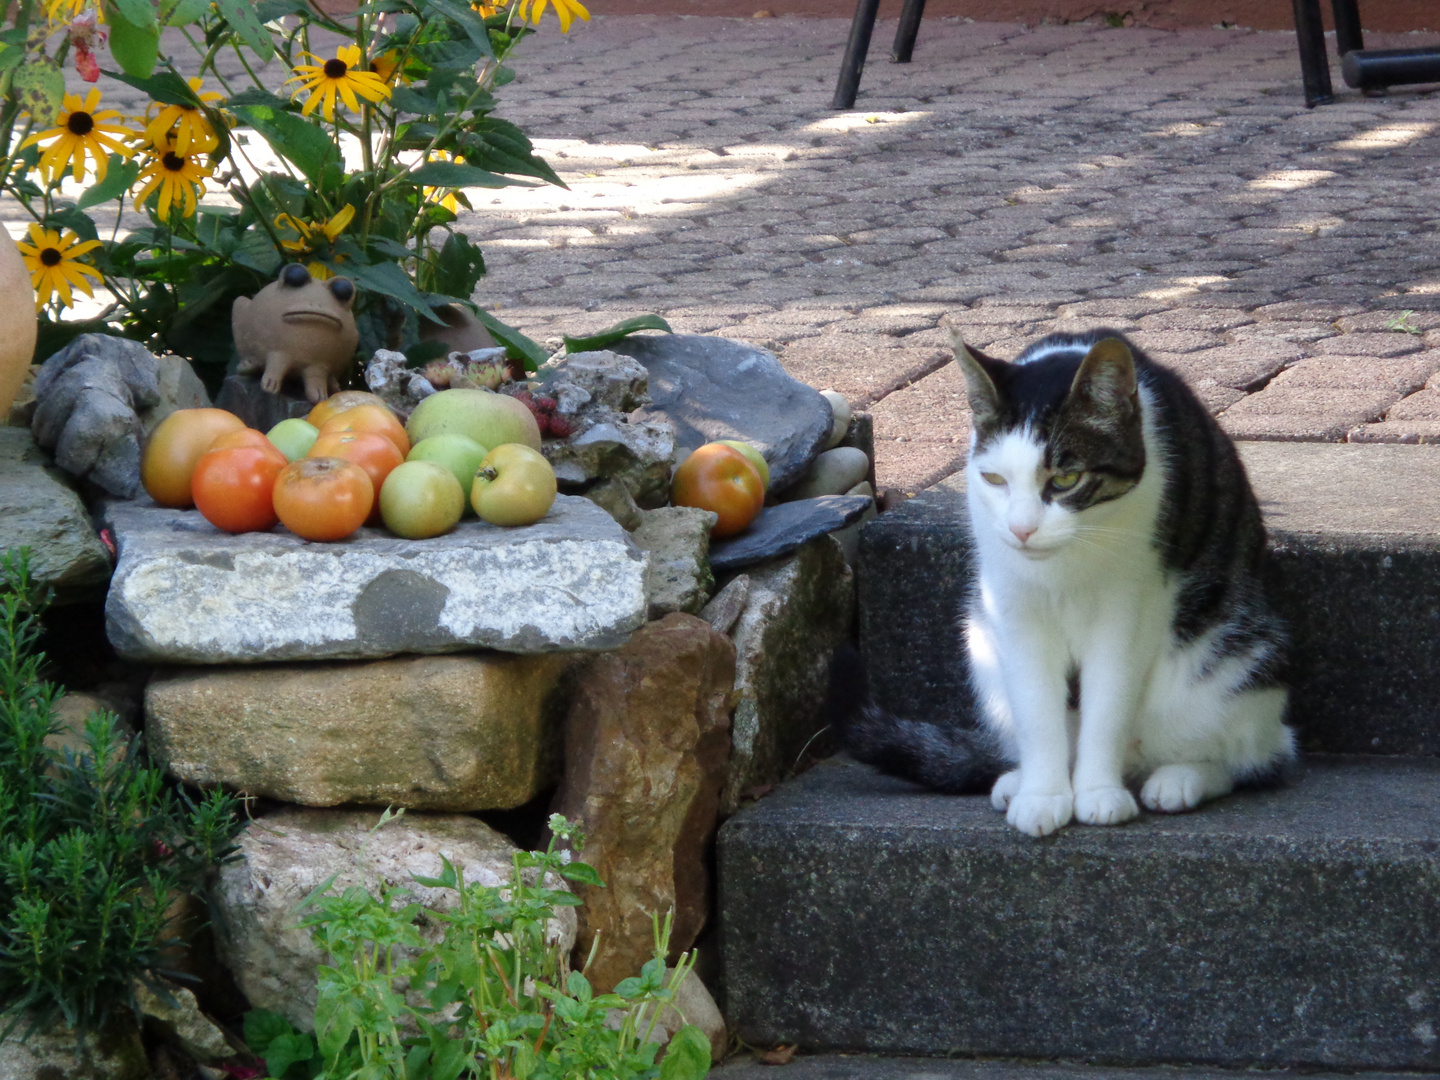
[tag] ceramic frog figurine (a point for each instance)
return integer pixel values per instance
(297, 325)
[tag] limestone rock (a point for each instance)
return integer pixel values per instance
(833, 473)
(286, 855)
(185, 592)
(800, 610)
(599, 379)
(615, 499)
(50, 1055)
(243, 396)
(840, 422)
(39, 512)
(695, 1005)
(725, 608)
(75, 707)
(713, 388)
(677, 539)
(183, 1023)
(454, 733)
(783, 528)
(646, 746)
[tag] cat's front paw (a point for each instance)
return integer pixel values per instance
(1173, 789)
(1004, 790)
(1105, 806)
(1040, 815)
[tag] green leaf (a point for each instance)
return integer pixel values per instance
(253, 95)
(502, 147)
(166, 88)
(455, 175)
(469, 21)
(388, 279)
(459, 265)
(183, 12)
(517, 345)
(287, 1050)
(407, 99)
(240, 14)
(39, 87)
(262, 1027)
(579, 871)
(613, 334)
(138, 13)
(135, 48)
(628, 988)
(687, 1055)
(307, 146)
(119, 176)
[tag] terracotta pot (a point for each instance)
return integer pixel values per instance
(17, 322)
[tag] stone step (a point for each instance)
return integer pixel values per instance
(875, 1067)
(1355, 535)
(1295, 927)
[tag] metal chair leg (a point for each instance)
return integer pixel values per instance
(853, 64)
(1314, 67)
(910, 26)
(1348, 35)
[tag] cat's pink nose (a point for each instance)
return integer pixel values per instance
(1023, 532)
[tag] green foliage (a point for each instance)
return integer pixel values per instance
(620, 330)
(494, 997)
(92, 845)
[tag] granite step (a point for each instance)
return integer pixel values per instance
(876, 1067)
(1355, 535)
(1291, 928)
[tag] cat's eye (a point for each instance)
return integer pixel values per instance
(993, 478)
(1064, 481)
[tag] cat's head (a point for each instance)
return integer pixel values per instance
(1058, 437)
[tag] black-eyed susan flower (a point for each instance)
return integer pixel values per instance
(387, 66)
(565, 11)
(447, 199)
(486, 10)
(174, 178)
(53, 259)
(342, 77)
(67, 10)
(186, 126)
(81, 135)
(312, 238)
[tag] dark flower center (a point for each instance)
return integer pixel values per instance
(80, 123)
(173, 161)
(50, 256)
(335, 69)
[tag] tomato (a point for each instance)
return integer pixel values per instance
(372, 420)
(421, 499)
(323, 498)
(514, 485)
(175, 446)
(233, 487)
(335, 404)
(251, 438)
(375, 454)
(719, 478)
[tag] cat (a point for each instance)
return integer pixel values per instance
(1117, 629)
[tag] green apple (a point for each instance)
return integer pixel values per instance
(514, 485)
(753, 456)
(420, 499)
(487, 417)
(293, 437)
(458, 453)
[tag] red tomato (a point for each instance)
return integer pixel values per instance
(323, 498)
(175, 446)
(335, 404)
(375, 454)
(371, 420)
(232, 488)
(719, 478)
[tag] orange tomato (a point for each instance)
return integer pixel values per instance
(336, 404)
(255, 440)
(233, 487)
(375, 454)
(372, 420)
(175, 446)
(323, 498)
(720, 479)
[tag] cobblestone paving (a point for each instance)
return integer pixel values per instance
(1009, 182)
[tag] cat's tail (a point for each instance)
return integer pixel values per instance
(952, 760)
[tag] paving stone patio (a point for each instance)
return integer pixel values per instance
(1010, 181)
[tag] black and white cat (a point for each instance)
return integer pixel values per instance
(1117, 630)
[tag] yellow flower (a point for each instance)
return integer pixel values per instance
(53, 261)
(80, 135)
(565, 10)
(176, 177)
(184, 125)
(486, 10)
(448, 200)
(312, 237)
(343, 76)
(68, 10)
(386, 64)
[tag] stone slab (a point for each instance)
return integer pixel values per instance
(786, 527)
(1269, 928)
(880, 1067)
(1355, 568)
(185, 592)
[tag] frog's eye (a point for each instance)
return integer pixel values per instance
(295, 276)
(342, 289)
(993, 478)
(1064, 481)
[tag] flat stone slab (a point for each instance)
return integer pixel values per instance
(877, 1067)
(1354, 568)
(712, 388)
(786, 527)
(1288, 927)
(185, 592)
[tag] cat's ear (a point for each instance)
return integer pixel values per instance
(981, 372)
(1106, 380)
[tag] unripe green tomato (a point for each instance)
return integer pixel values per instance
(421, 499)
(514, 485)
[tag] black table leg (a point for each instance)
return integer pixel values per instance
(854, 63)
(1348, 36)
(909, 27)
(1314, 67)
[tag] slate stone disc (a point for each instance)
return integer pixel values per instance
(782, 528)
(712, 388)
